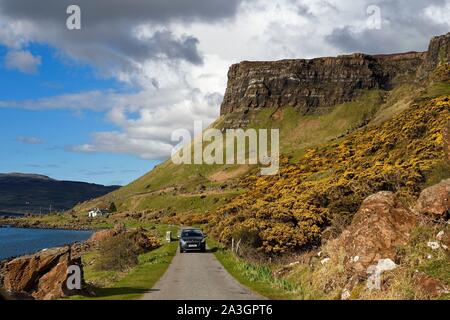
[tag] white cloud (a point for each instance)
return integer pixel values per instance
(23, 61)
(29, 140)
(162, 58)
(93, 100)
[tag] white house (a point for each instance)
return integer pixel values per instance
(97, 213)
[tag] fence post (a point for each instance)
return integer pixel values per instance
(238, 245)
(168, 236)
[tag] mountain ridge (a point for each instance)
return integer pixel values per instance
(310, 85)
(35, 193)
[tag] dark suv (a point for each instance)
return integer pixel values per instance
(192, 239)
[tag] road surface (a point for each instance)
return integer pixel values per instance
(198, 276)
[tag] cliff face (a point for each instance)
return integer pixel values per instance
(438, 52)
(311, 85)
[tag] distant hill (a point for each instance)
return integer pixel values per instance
(33, 193)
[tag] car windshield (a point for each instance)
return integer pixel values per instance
(192, 233)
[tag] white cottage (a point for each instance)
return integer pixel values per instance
(97, 213)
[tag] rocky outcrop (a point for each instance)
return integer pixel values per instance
(435, 200)
(306, 85)
(438, 52)
(381, 224)
(313, 85)
(102, 235)
(42, 275)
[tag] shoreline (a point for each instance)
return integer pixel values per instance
(78, 243)
(37, 225)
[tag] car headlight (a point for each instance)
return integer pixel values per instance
(182, 241)
(203, 240)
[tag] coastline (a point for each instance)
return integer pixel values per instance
(72, 244)
(20, 223)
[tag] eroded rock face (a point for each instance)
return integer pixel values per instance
(42, 275)
(381, 224)
(435, 200)
(313, 85)
(438, 51)
(305, 85)
(102, 235)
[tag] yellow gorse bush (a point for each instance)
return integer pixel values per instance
(289, 211)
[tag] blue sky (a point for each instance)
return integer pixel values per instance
(40, 141)
(100, 104)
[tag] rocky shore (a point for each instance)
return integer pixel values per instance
(43, 275)
(33, 223)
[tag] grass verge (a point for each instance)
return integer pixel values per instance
(112, 285)
(257, 277)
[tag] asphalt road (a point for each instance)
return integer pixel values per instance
(198, 276)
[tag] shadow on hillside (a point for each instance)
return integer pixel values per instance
(108, 292)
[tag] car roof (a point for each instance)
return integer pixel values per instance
(191, 229)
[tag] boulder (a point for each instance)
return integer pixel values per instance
(42, 275)
(22, 274)
(381, 225)
(435, 200)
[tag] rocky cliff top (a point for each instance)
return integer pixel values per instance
(312, 85)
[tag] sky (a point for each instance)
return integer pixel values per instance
(99, 104)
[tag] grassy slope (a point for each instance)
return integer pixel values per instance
(325, 187)
(171, 188)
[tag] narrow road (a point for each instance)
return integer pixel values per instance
(198, 276)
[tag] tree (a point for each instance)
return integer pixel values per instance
(112, 207)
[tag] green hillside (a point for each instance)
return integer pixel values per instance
(171, 189)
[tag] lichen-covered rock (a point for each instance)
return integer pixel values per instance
(381, 224)
(435, 200)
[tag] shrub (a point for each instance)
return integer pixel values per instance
(117, 253)
(112, 207)
(121, 252)
(325, 188)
